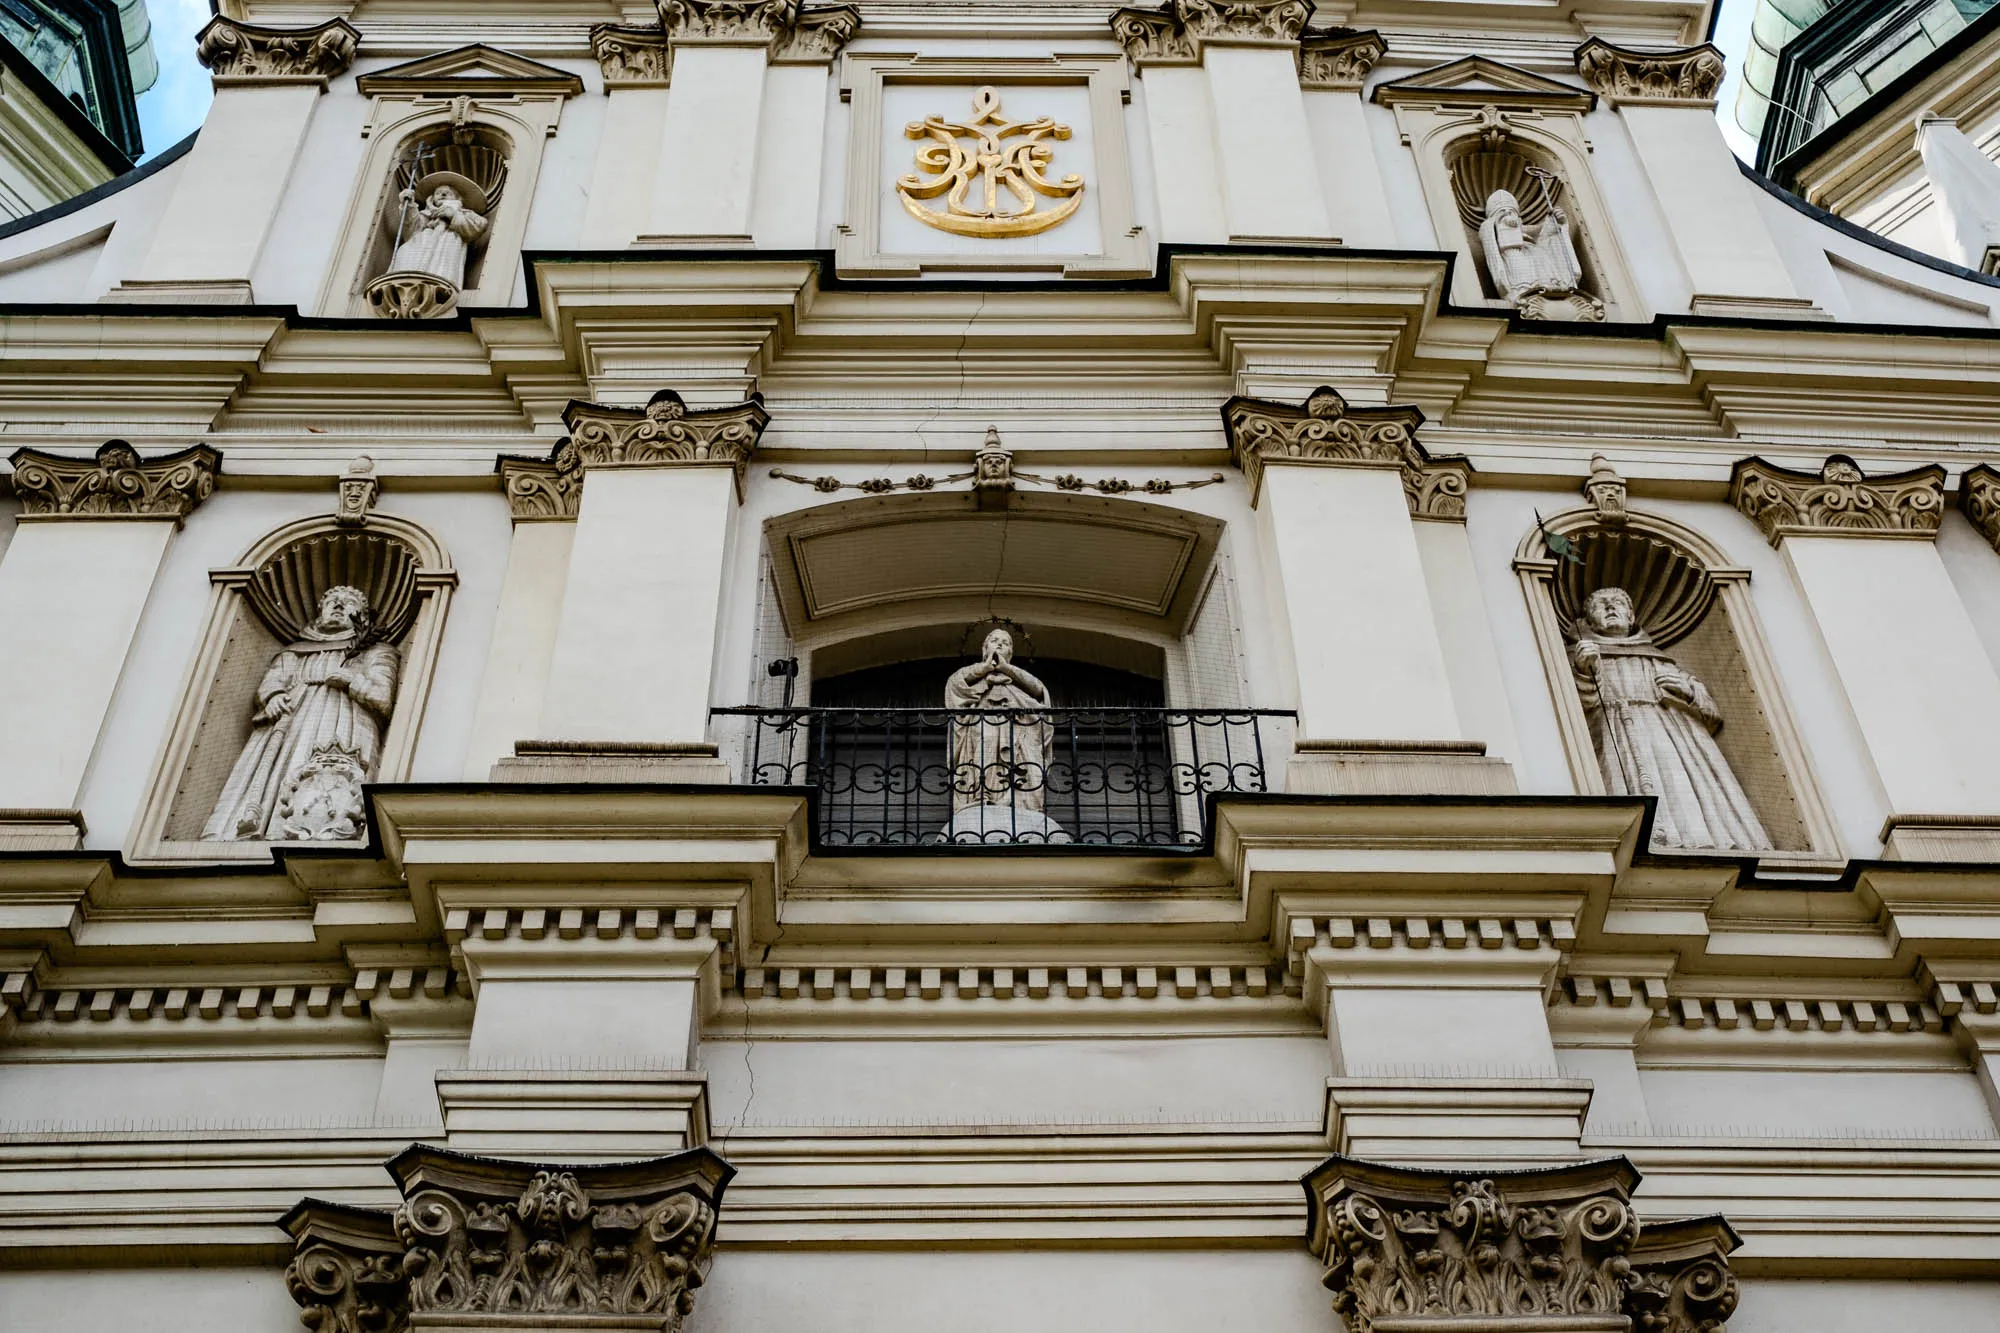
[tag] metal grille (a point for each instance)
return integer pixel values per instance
(942, 778)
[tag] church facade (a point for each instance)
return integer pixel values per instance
(739, 665)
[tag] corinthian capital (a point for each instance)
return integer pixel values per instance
(1979, 499)
(631, 57)
(793, 33)
(1339, 60)
(244, 53)
(117, 483)
(1838, 500)
(665, 432)
(1178, 29)
(624, 1245)
(1687, 75)
(1543, 1246)
(1325, 430)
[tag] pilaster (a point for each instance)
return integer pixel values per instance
(1909, 660)
(634, 62)
(1263, 147)
(226, 194)
(1333, 66)
(1338, 488)
(1667, 101)
(631, 674)
(73, 586)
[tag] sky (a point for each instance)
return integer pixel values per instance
(173, 108)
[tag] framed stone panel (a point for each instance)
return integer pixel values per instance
(1061, 201)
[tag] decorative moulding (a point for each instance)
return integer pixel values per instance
(1979, 501)
(1325, 430)
(482, 71)
(1117, 246)
(246, 54)
(1339, 59)
(486, 1243)
(115, 483)
(1685, 76)
(1177, 30)
(631, 57)
(1839, 500)
(666, 431)
(1524, 1251)
(1476, 81)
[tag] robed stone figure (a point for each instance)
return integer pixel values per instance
(320, 712)
(998, 761)
(1525, 260)
(443, 230)
(1655, 726)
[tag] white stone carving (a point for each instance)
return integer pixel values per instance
(332, 690)
(1532, 265)
(1655, 723)
(1605, 490)
(358, 487)
(443, 218)
(998, 763)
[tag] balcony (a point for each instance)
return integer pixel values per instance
(935, 778)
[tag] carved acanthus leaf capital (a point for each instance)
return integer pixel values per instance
(1326, 430)
(1979, 500)
(666, 431)
(115, 483)
(1687, 75)
(511, 1244)
(1176, 31)
(793, 33)
(1340, 59)
(631, 57)
(1550, 1245)
(245, 53)
(541, 489)
(1838, 500)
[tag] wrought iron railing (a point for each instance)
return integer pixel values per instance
(935, 777)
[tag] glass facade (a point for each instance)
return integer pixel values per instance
(80, 48)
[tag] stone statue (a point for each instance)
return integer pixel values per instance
(1655, 726)
(1531, 264)
(999, 773)
(443, 230)
(316, 732)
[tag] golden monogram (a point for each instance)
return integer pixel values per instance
(1006, 155)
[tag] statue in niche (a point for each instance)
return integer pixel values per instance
(1655, 726)
(316, 732)
(443, 217)
(999, 772)
(1531, 265)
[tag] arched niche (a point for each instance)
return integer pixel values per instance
(1696, 606)
(258, 607)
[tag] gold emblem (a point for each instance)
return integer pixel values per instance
(1009, 155)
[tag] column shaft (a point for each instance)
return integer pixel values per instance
(1270, 186)
(708, 150)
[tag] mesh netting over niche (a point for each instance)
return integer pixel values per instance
(1671, 591)
(286, 589)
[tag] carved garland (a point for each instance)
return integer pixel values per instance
(1415, 1246)
(1839, 500)
(1176, 31)
(116, 483)
(1687, 75)
(1326, 430)
(511, 1244)
(236, 52)
(992, 472)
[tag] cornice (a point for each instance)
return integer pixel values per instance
(1339, 59)
(1477, 81)
(1838, 500)
(1178, 30)
(116, 483)
(477, 70)
(665, 432)
(246, 54)
(1686, 76)
(1324, 430)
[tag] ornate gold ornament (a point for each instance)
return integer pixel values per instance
(1008, 155)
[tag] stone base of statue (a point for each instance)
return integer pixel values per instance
(1004, 824)
(1561, 306)
(412, 295)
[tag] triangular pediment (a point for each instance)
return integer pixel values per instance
(471, 69)
(1477, 80)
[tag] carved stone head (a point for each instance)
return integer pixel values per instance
(1841, 469)
(1609, 612)
(1502, 205)
(357, 491)
(343, 610)
(999, 647)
